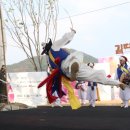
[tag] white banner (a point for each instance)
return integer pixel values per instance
(104, 90)
(23, 88)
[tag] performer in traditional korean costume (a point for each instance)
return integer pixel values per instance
(123, 74)
(91, 90)
(68, 67)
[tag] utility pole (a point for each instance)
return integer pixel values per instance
(3, 86)
(2, 39)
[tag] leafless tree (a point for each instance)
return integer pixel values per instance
(29, 23)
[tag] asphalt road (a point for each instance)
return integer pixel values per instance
(48, 118)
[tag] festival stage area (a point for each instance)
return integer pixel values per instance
(64, 118)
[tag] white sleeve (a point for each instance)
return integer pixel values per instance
(67, 37)
(84, 86)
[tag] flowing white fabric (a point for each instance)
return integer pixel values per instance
(86, 73)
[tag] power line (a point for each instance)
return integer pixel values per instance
(96, 10)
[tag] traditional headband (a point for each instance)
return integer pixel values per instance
(123, 58)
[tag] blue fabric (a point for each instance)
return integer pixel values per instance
(62, 54)
(94, 84)
(119, 71)
(55, 84)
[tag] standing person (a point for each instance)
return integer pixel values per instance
(92, 90)
(3, 90)
(122, 72)
(3, 73)
(82, 91)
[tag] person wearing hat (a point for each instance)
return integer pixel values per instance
(92, 90)
(69, 67)
(122, 73)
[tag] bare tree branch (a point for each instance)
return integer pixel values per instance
(25, 20)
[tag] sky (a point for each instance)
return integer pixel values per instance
(99, 25)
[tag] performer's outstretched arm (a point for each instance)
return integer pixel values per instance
(67, 37)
